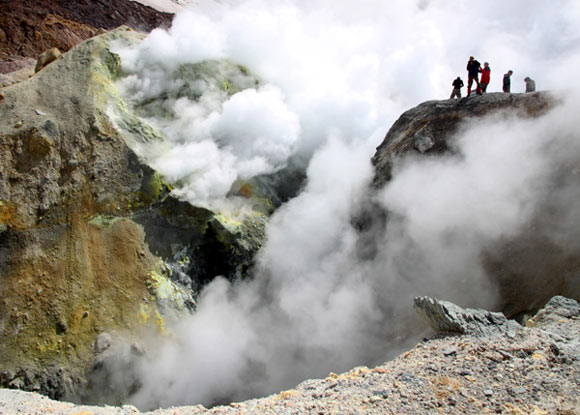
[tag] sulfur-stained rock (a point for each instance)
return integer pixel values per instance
(91, 240)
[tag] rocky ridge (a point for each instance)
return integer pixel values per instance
(525, 370)
(429, 127)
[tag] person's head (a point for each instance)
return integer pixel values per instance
(471, 58)
(527, 78)
(510, 72)
(485, 64)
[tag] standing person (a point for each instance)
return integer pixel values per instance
(507, 82)
(457, 85)
(485, 76)
(530, 84)
(473, 70)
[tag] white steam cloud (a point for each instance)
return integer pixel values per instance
(334, 76)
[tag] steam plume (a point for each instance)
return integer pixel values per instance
(335, 75)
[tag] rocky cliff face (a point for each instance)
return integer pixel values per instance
(428, 128)
(90, 240)
(529, 267)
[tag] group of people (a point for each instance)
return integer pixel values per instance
(474, 69)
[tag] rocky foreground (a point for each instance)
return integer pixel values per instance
(488, 365)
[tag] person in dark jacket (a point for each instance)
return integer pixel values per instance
(507, 82)
(485, 76)
(457, 85)
(473, 70)
(530, 84)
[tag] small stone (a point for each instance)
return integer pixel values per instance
(138, 349)
(383, 393)
(61, 326)
(47, 57)
(488, 392)
(129, 409)
(6, 375)
(450, 351)
(19, 124)
(85, 314)
(102, 342)
(17, 383)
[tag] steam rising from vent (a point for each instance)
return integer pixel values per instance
(331, 78)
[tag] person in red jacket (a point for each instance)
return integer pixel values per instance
(485, 75)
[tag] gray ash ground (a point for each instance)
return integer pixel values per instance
(527, 370)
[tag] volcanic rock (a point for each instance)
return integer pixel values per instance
(428, 127)
(528, 268)
(447, 317)
(91, 241)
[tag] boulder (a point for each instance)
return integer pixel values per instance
(47, 57)
(446, 317)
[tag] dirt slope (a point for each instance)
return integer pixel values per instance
(28, 28)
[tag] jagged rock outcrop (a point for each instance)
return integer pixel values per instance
(427, 128)
(91, 241)
(447, 317)
(530, 370)
(528, 268)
